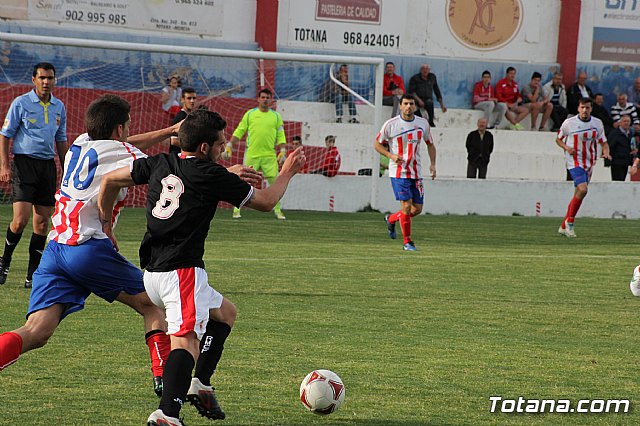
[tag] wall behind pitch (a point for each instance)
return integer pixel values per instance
(503, 30)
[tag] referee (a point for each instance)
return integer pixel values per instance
(36, 121)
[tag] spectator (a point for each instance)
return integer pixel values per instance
(479, 148)
(599, 111)
(533, 97)
(171, 95)
(625, 108)
(484, 98)
(342, 95)
(332, 161)
(507, 91)
(392, 88)
(296, 142)
(188, 104)
(622, 148)
(554, 91)
(633, 93)
(422, 87)
(577, 91)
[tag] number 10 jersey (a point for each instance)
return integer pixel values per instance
(76, 217)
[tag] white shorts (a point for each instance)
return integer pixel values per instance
(186, 297)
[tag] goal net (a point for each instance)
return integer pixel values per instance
(224, 81)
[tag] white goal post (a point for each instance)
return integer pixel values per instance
(377, 63)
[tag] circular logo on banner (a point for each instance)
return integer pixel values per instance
(484, 24)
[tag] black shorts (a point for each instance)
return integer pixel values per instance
(34, 180)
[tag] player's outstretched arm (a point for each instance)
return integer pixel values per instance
(265, 200)
(246, 173)
(147, 140)
(109, 188)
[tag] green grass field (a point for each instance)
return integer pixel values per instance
(488, 306)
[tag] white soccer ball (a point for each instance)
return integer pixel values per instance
(322, 392)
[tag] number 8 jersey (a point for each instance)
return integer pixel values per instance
(76, 216)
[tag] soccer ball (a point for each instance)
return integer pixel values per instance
(322, 392)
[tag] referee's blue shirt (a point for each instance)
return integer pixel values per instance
(34, 126)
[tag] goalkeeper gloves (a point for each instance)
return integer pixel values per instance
(282, 156)
(228, 150)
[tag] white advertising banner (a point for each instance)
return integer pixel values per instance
(616, 31)
(486, 29)
(356, 25)
(185, 16)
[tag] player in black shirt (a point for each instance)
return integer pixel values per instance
(188, 104)
(184, 192)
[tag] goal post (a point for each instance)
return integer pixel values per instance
(225, 80)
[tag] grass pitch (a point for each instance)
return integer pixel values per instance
(487, 306)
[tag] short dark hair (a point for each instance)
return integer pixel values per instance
(536, 74)
(297, 138)
(509, 69)
(597, 94)
(267, 91)
(584, 101)
(43, 66)
(201, 126)
(389, 63)
(188, 90)
(104, 115)
(486, 72)
(408, 97)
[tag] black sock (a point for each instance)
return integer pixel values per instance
(176, 380)
(10, 244)
(211, 346)
(36, 247)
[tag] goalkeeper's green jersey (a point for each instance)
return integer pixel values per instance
(266, 130)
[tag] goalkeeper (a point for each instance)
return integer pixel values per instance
(266, 132)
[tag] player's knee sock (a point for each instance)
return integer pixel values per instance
(393, 218)
(405, 224)
(10, 245)
(211, 346)
(10, 348)
(574, 206)
(159, 344)
(176, 381)
(36, 247)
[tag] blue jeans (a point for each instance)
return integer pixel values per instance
(340, 99)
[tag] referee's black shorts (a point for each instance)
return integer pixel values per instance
(34, 180)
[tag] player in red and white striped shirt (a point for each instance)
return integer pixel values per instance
(80, 259)
(579, 137)
(399, 140)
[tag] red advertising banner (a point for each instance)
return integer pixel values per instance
(362, 11)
